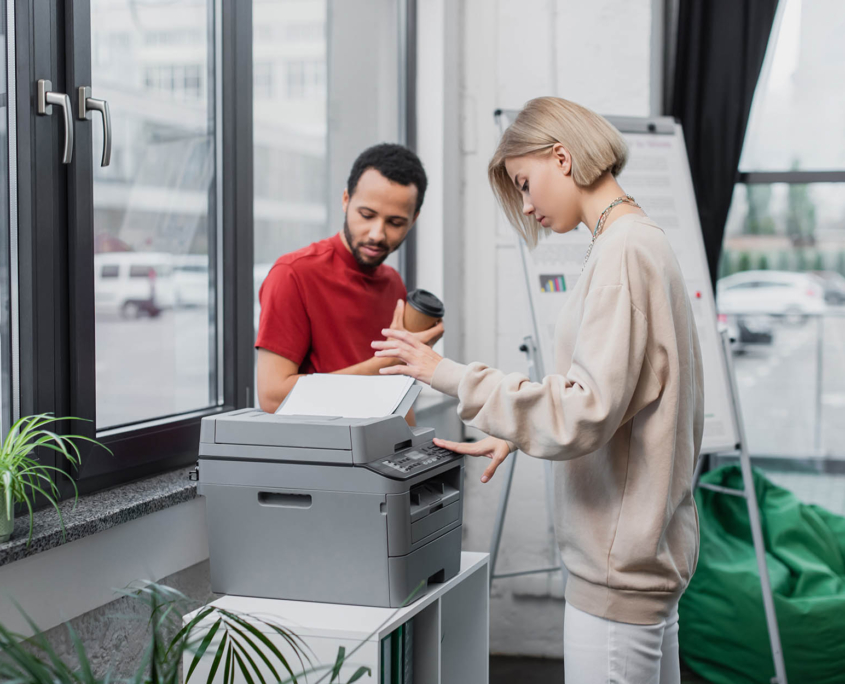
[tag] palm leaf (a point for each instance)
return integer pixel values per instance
(202, 649)
(228, 674)
(216, 662)
(252, 663)
(185, 631)
(262, 638)
(260, 653)
(241, 665)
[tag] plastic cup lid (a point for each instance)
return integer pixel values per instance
(426, 303)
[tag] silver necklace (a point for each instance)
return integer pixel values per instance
(625, 199)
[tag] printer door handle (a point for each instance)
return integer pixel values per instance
(283, 500)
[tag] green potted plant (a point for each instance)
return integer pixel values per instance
(22, 477)
(242, 652)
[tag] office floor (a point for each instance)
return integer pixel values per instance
(509, 670)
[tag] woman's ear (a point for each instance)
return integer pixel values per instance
(562, 158)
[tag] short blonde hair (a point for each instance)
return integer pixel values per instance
(594, 144)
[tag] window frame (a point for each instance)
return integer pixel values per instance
(9, 237)
(57, 369)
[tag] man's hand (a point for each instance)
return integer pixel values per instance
(492, 447)
(430, 337)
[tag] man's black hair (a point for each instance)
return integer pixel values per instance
(395, 162)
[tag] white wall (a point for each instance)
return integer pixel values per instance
(363, 88)
(72, 579)
(597, 53)
(439, 234)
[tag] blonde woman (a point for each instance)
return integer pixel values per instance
(622, 416)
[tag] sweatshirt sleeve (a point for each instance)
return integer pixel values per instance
(564, 416)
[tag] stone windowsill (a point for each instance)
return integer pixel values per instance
(97, 512)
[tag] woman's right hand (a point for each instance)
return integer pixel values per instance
(495, 449)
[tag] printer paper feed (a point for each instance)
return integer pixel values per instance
(347, 396)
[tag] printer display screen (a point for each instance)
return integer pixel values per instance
(411, 462)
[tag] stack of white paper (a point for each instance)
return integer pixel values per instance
(348, 396)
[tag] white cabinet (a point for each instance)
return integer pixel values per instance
(450, 642)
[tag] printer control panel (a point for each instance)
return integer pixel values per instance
(410, 462)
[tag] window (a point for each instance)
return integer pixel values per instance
(305, 32)
(290, 145)
(788, 218)
(177, 37)
(306, 79)
(8, 202)
(297, 194)
(162, 209)
(119, 337)
(176, 80)
(262, 77)
(137, 277)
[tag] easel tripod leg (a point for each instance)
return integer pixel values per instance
(510, 464)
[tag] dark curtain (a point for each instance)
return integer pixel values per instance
(720, 46)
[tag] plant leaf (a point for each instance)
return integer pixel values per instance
(185, 631)
(260, 652)
(261, 637)
(251, 662)
(202, 649)
(81, 655)
(7, 488)
(242, 666)
(216, 663)
(360, 672)
(338, 663)
(228, 671)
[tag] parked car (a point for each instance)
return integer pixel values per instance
(780, 293)
(190, 280)
(133, 284)
(834, 286)
(745, 331)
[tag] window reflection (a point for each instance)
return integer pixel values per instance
(154, 209)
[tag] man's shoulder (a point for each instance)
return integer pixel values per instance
(294, 267)
(392, 280)
(391, 273)
(307, 257)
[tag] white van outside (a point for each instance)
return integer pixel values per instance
(190, 280)
(133, 284)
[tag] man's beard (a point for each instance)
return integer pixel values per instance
(363, 261)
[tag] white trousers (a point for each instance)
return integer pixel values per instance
(599, 651)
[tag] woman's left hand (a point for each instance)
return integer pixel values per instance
(420, 360)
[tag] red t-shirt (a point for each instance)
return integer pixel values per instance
(321, 310)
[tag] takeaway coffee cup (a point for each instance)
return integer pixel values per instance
(422, 311)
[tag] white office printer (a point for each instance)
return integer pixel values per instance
(336, 510)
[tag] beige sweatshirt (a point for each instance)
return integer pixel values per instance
(622, 420)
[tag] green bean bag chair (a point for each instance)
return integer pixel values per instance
(723, 634)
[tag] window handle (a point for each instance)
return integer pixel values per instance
(87, 105)
(46, 99)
